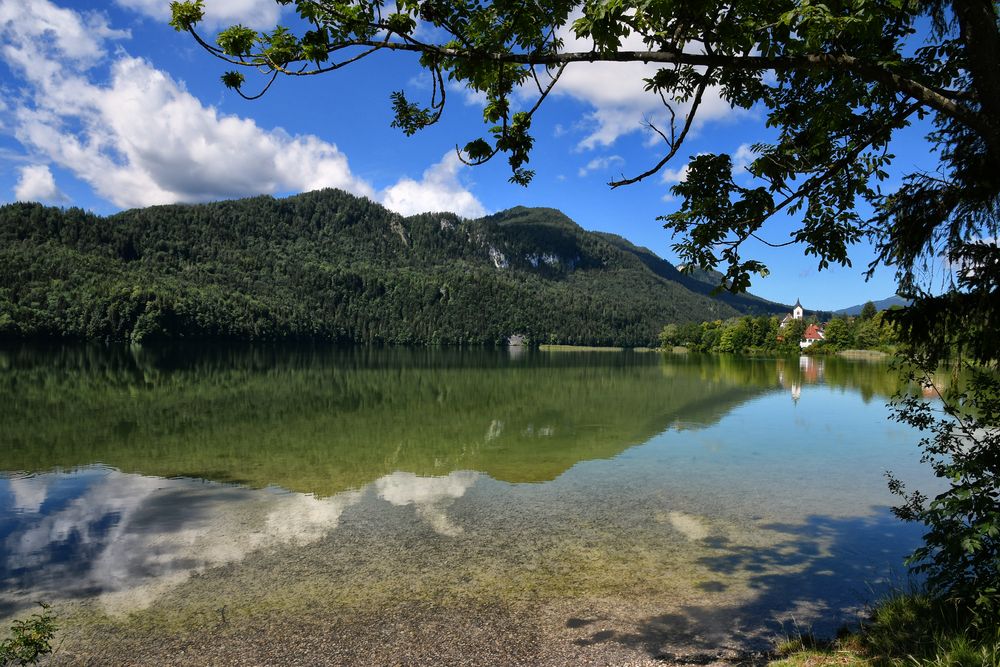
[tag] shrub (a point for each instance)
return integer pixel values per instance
(961, 551)
(31, 638)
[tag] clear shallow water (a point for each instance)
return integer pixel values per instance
(709, 498)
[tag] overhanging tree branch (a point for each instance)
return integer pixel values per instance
(674, 143)
(925, 94)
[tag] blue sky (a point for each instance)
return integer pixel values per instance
(104, 106)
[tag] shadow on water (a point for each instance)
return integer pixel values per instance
(816, 578)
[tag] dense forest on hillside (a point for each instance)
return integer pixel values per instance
(328, 265)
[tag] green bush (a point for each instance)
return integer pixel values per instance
(30, 639)
(912, 629)
(961, 551)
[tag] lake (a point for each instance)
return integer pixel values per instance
(313, 505)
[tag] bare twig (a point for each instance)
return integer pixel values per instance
(675, 144)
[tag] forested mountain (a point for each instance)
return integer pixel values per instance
(330, 265)
(697, 280)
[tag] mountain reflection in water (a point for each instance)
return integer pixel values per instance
(299, 477)
(322, 420)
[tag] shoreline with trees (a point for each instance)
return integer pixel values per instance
(872, 331)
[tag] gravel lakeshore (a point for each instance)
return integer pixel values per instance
(425, 634)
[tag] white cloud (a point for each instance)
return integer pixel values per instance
(438, 190)
(258, 14)
(428, 32)
(424, 82)
(674, 175)
(600, 164)
(138, 138)
(144, 140)
(472, 98)
(80, 37)
(37, 184)
(616, 91)
(742, 158)
(141, 138)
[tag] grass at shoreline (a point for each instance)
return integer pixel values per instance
(908, 629)
(590, 348)
(874, 355)
(578, 348)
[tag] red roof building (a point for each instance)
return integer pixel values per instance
(813, 333)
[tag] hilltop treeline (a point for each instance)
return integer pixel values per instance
(328, 265)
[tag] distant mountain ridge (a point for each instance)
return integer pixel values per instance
(881, 304)
(328, 265)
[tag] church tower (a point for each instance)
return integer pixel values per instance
(797, 311)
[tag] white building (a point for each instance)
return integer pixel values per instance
(796, 314)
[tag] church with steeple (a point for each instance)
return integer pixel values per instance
(796, 314)
(812, 333)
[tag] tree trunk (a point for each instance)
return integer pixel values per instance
(977, 20)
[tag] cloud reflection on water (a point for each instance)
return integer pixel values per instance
(129, 538)
(430, 495)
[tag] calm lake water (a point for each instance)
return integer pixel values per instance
(600, 501)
